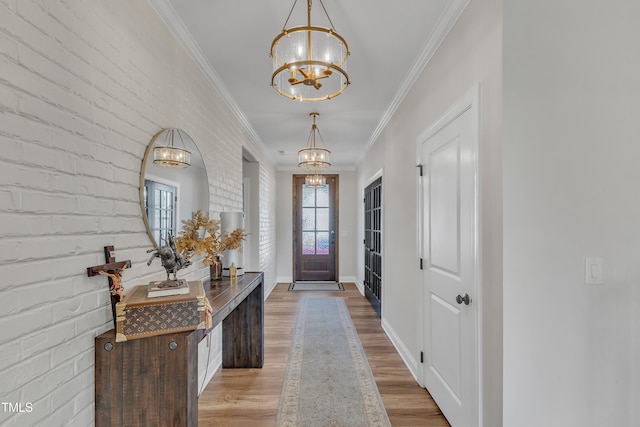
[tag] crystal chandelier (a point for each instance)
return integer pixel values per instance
(315, 180)
(309, 61)
(314, 157)
(167, 154)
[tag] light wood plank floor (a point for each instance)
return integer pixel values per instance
(250, 397)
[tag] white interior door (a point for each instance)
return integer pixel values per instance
(450, 274)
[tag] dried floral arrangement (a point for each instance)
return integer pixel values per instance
(202, 236)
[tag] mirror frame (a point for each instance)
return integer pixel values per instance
(195, 155)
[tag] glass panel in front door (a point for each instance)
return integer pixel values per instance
(315, 220)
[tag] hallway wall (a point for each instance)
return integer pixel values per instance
(84, 87)
(471, 53)
(571, 150)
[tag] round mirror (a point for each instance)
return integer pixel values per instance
(173, 184)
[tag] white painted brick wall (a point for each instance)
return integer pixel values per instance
(83, 88)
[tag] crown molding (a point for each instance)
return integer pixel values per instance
(445, 23)
(172, 21)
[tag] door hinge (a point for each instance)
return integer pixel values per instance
(420, 167)
(422, 357)
(420, 263)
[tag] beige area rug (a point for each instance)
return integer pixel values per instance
(328, 381)
(316, 286)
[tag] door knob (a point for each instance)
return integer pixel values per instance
(463, 299)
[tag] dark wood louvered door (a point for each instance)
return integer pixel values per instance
(315, 230)
(373, 244)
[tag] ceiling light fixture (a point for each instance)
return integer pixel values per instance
(167, 154)
(309, 61)
(314, 157)
(315, 180)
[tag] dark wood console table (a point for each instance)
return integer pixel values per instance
(240, 308)
(154, 380)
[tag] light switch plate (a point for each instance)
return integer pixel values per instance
(593, 271)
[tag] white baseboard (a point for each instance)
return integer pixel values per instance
(269, 289)
(348, 279)
(406, 355)
(353, 279)
(284, 279)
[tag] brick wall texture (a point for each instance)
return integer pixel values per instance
(84, 85)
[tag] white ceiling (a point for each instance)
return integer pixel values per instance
(390, 42)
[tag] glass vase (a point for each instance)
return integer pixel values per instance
(215, 269)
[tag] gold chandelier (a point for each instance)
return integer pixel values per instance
(168, 155)
(314, 157)
(315, 180)
(309, 61)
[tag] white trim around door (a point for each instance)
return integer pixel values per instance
(450, 303)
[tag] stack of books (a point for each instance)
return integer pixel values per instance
(161, 289)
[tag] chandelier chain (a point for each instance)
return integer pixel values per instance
(327, 14)
(284, 27)
(315, 129)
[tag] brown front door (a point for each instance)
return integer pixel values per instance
(315, 230)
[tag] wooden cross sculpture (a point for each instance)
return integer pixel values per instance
(113, 270)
